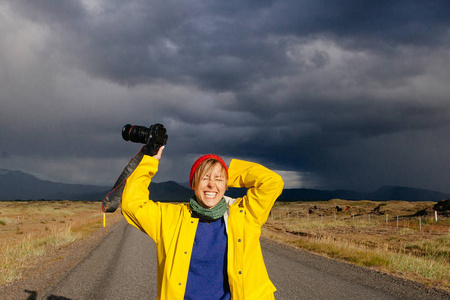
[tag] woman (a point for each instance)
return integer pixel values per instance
(209, 248)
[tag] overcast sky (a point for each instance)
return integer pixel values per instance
(331, 94)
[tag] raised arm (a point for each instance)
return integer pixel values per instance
(264, 186)
(137, 208)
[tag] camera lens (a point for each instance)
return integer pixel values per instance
(135, 134)
(126, 132)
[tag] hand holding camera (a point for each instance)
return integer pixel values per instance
(154, 138)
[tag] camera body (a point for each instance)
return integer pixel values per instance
(153, 137)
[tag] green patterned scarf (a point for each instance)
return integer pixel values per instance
(206, 214)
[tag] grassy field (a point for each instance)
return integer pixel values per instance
(31, 229)
(385, 236)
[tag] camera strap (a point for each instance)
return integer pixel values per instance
(112, 200)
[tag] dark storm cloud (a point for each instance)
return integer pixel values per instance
(389, 22)
(229, 45)
(225, 45)
(314, 87)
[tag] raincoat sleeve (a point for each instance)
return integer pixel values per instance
(137, 208)
(264, 186)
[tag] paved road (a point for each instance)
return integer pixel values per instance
(123, 266)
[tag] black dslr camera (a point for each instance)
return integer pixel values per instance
(153, 137)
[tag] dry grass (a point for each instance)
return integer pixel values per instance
(368, 234)
(30, 229)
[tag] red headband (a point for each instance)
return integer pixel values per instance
(202, 159)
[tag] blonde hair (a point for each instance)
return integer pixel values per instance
(206, 167)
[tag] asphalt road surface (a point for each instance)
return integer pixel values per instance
(123, 266)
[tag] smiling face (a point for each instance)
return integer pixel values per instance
(210, 183)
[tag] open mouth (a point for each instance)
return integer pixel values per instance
(210, 194)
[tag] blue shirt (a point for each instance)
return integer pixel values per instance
(207, 277)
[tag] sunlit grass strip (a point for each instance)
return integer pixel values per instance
(433, 268)
(13, 258)
(439, 246)
(317, 223)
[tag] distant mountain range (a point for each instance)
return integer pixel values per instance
(384, 193)
(17, 185)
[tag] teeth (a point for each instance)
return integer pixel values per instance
(211, 195)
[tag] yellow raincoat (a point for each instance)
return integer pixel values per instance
(173, 229)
